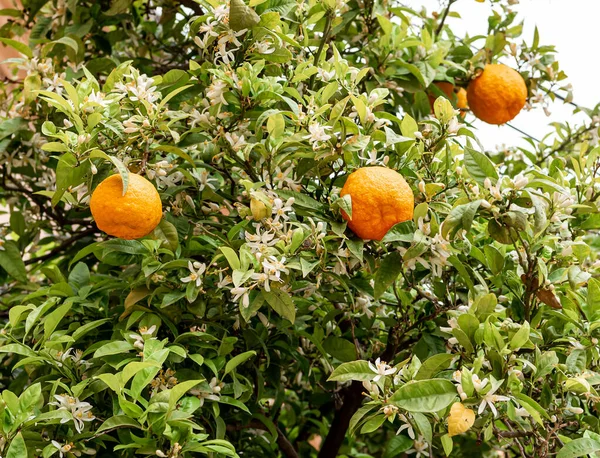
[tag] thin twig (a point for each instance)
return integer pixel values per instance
(284, 443)
(67, 243)
(523, 132)
(444, 16)
(326, 32)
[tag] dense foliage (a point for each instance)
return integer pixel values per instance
(252, 321)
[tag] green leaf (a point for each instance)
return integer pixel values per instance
(124, 246)
(123, 171)
(113, 348)
(461, 217)
(592, 305)
(233, 402)
(355, 370)
(17, 448)
(54, 318)
(281, 302)
(179, 390)
(463, 339)
(462, 271)
(83, 330)
(21, 47)
(359, 415)
(535, 410)
(425, 396)
(301, 200)
(134, 367)
(172, 94)
(11, 261)
(30, 397)
(424, 426)
(79, 276)
(177, 151)
(17, 348)
(480, 166)
(521, 337)
(119, 7)
(55, 147)
(576, 361)
(242, 16)
(17, 223)
(232, 257)
(15, 314)
(237, 360)
(495, 259)
(167, 233)
(447, 444)
(469, 324)
(583, 446)
(116, 422)
(408, 127)
(373, 423)
(388, 272)
(344, 203)
(339, 348)
(433, 365)
(397, 445)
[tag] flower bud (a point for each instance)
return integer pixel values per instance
(259, 209)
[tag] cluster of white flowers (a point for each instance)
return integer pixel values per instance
(212, 394)
(281, 178)
(144, 333)
(270, 265)
(139, 87)
(197, 270)
(216, 29)
(436, 257)
(75, 356)
(317, 134)
(381, 369)
(485, 389)
(80, 412)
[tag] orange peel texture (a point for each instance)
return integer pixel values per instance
(381, 198)
(128, 216)
(498, 94)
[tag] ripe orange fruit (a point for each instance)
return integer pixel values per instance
(454, 94)
(498, 94)
(128, 216)
(380, 199)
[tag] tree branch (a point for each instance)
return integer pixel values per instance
(67, 243)
(352, 395)
(444, 16)
(191, 4)
(284, 443)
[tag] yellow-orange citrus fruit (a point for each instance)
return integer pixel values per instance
(498, 94)
(452, 91)
(380, 199)
(128, 216)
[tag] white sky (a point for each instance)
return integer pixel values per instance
(570, 25)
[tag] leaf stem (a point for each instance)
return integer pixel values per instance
(326, 33)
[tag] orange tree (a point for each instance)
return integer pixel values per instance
(248, 319)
